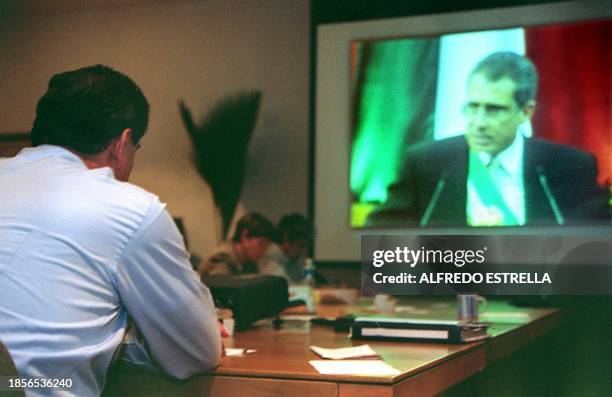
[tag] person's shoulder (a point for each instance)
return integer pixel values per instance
(272, 262)
(274, 254)
(126, 193)
(274, 250)
(139, 193)
(558, 152)
(130, 207)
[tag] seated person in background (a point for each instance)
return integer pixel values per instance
(250, 242)
(287, 259)
(83, 252)
(493, 175)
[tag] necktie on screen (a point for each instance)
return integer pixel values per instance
(497, 212)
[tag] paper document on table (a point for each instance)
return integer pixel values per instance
(237, 352)
(363, 351)
(354, 367)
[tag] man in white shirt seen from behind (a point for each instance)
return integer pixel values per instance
(82, 250)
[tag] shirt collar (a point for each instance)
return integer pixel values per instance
(509, 158)
(43, 151)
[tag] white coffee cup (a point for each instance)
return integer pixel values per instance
(469, 307)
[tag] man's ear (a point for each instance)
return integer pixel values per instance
(529, 109)
(119, 147)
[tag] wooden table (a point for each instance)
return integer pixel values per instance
(280, 365)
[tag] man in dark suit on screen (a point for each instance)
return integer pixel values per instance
(492, 175)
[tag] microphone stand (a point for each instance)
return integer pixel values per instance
(434, 200)
(549, 196)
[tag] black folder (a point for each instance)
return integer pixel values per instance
(418, 330)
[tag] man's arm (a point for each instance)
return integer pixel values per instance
(163, 295)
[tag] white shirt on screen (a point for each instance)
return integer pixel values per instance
(80, 252)
(506, 170)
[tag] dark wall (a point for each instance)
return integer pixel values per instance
(325, 11)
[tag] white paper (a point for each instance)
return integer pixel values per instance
(354, 367)
(345, 352)
(237, 352)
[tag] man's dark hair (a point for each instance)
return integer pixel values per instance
(256, 225)
(294, 227)
(85, 109)
(514, 66)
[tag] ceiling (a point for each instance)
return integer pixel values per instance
(62, 6)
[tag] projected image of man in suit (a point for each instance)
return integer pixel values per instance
(494, 175)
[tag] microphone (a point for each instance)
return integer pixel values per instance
(434, 199)
(549, 196)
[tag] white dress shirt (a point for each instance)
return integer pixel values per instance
(80, 252)
(506, 170)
